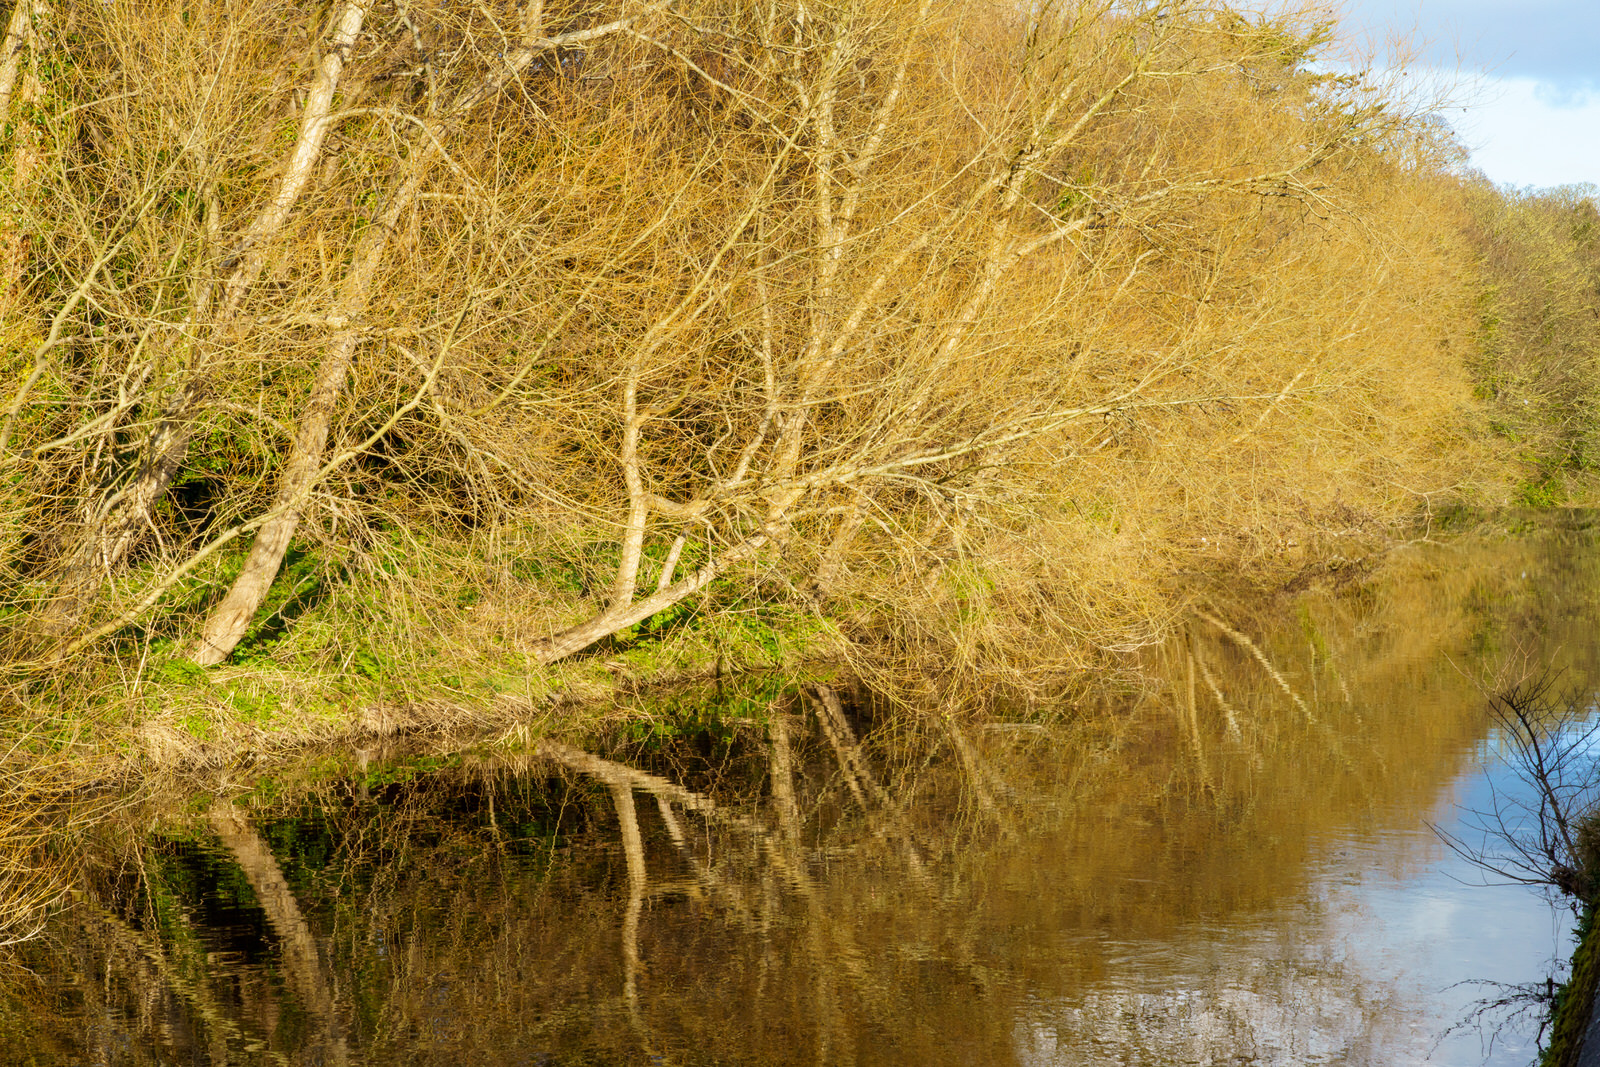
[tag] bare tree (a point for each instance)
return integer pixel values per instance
(227, 622)
(1543, 839)
(738, 292)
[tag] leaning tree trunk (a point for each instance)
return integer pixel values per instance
(226, 624)
(229, 620)
(20, 62)
(119, 517)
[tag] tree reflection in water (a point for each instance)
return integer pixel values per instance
(802, 874)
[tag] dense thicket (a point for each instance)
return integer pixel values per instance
(1538, 357)
(974, 330)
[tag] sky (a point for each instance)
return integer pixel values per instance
(1529, 72)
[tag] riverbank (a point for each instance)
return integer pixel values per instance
(185, 722)
(461, 673)
(1574, 1022)
(1575, 1014)
(127, 720)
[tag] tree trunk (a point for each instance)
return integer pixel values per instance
(226, 624)
(22, 36)
(19, 30)
(302, 962)
(249, 256)
(113, 523)
(604, 625)
(118, 521)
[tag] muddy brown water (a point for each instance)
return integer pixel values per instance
(1234, 867)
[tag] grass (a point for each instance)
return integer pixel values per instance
(444, 647)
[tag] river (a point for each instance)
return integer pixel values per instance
(1235, 864)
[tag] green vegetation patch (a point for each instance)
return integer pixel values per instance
(1573, 1003)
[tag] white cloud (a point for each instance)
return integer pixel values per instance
(1562, 96)
(1531, 69)
(1528, 132)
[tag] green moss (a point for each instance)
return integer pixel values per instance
(196, 725)
(1570, 1008)
(1545, 491)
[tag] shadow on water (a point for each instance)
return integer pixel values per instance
(1232, 867)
